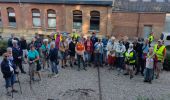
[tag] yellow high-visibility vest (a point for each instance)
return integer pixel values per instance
(129, 56)
(159, 52)
(151, 38)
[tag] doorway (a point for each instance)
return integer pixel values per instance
(147, 30)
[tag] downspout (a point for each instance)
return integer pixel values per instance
(138, 22)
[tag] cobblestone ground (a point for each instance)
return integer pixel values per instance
(83, 85)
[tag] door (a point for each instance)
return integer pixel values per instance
(147, 30)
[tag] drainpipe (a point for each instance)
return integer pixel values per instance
(138, 22)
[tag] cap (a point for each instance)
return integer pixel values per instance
(113, 38)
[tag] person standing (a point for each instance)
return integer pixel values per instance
(105, 41)
(160, 51)
(7, 69)
(94, 39)
(23, 45)
(34, 67)
(63, 47)
(72, 52)
(130, 58)
(120, 50)
(53, 57)
(111, 52)
(44, 53)
(17, 55)
(11, 39)
(149, 70)
(139, 53)
(98, 53)
(38, 42)
(80, 49)
(145, 50)
(88, 50)
(150, 38)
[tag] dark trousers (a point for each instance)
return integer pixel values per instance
(80, 59)
(19, 64)
(148, 74)
(120, 62)
(140, 65)
(98, 59)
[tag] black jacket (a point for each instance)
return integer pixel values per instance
(53, 55)
(23, 44)
(17, 52)
(5, 69)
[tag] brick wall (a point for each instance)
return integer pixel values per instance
(64, 18)
(127, 23)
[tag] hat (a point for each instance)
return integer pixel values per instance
(113, 38)
(159, 40)
(45, 40)
(14, 41)
(130, 45)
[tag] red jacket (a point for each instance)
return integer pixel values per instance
(88, 48)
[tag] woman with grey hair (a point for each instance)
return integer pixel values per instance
(17, 55)
(53, 57)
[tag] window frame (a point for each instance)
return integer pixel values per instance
(96, 17)
(77, 20)
(34, 16)
(11, 17)
(51, 11)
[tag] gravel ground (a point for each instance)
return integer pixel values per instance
(83, 85)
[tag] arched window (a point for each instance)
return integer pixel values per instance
(77, 19)
(95, 20)
(11, 17)
(36, 20)
(51, 18)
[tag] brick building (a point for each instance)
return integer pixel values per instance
(117, 17)
(27, 17)
(140, 17)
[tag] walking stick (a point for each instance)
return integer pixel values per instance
(19, 83)
(12, 93)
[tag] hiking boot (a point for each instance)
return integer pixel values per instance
(8, 93)
(145, 81)
(126, 74)
(63, 67)
(14, 91)
(131, 76)
(23, 72)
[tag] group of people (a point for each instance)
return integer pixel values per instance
(125, 56)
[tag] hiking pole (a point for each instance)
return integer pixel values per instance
(12, 93)
(19, 83)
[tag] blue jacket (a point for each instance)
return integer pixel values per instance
(5, 68)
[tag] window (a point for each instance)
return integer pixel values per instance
(94, 20)
(167, 23)
(168, 38)
(133, 0)
(0, 19)
(77, 19)
(51, 19)
(160, 0)
(11, 17)
(36, 20)
(146, 0)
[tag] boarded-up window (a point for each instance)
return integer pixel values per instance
(11, 17)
